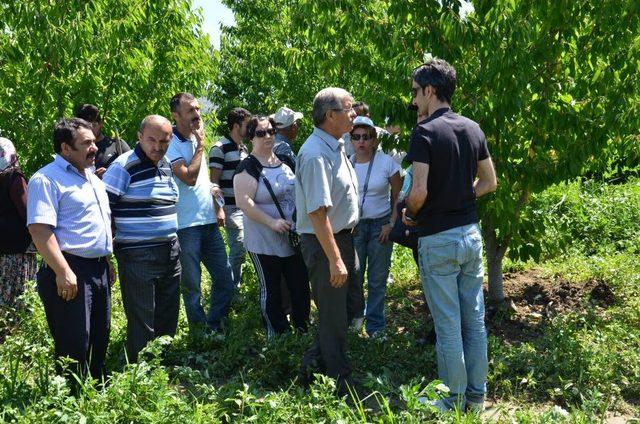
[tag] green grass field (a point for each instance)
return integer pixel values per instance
(575, 360)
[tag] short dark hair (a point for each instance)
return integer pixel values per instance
(88, 112)
(236, 116)
(438, 74)
(363, 105)
(253, 124)
(65, 131)
(175, 101)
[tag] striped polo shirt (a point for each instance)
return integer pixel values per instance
(143, 199)
(226, 155)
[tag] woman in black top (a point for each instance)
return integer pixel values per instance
(17, 255)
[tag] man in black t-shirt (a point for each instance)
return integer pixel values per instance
(451, 168)
(108, 148)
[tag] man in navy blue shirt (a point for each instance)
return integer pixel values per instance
(451, 168)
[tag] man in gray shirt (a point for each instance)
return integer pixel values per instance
(327, 212)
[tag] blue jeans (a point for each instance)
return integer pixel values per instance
(451, 272)
(235, 237)
(203, 243)
(376, 259)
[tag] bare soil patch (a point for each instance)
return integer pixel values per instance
(532, 298)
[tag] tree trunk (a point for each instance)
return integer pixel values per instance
(495, 253)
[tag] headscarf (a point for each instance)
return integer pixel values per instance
(8, 155)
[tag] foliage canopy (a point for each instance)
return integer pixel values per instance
(126, 56)
(553, 83)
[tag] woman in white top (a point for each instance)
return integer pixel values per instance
(379, 183)
(264, 190)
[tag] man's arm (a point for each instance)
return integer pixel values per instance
(487, 181)
(324, 232)
(418, 194)
(189, 174)
(49, 249)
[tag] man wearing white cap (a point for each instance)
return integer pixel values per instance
(287, 124)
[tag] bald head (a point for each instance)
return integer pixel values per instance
(154, 137)
(154, 120)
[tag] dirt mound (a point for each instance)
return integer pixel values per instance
(532, 298)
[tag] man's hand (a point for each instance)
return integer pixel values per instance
(67, 285)
(100, 172)
(220, 216)
(384, 233)
(409, 222)
(280, 225)
(197, 128)
(338, 273)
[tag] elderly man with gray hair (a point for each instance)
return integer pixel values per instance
(327, 212)
(143, 196)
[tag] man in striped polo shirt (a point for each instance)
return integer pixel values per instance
(224, 157)
(143, 197)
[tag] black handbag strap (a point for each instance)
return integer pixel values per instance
(267, 184)
(366, 180)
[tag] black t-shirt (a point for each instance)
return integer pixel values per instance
(108, 151)
(451, 145)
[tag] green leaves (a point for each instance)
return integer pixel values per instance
(126, 56)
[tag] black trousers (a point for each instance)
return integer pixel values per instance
(271, 271)
(80, 327)
(150, 286)
(329, 349)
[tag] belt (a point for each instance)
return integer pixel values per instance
(345, 231)
(98, 260)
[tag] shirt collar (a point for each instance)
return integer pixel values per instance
(280, 137)
(436, 114)
(66, 166)
(179, 136)
(331, 141)
(239, 147)
(142, 155)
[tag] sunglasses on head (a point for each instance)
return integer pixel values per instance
(364, 137)
(263, 133)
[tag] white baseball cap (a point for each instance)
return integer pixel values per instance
(285, 117)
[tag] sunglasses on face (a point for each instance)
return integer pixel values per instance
(364, 137)
(263, 133)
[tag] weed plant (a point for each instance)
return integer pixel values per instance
(586, 363)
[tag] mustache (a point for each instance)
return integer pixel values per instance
(411, 106)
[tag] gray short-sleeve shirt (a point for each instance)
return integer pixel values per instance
(325, 178)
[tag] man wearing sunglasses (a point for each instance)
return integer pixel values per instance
(451, 168)
(327, 212)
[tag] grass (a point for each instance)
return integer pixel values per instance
(584, 367)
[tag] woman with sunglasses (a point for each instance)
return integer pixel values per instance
(264, 190)
(377, 174)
